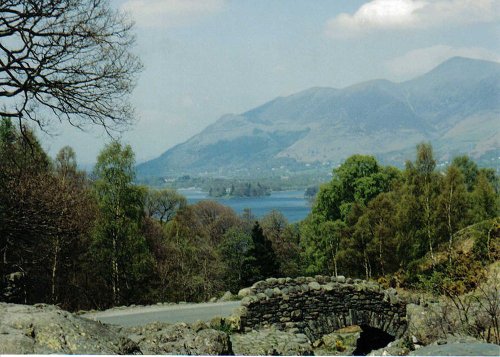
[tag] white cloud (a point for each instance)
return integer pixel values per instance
(422, 60)
(411, 14)
(170, 13)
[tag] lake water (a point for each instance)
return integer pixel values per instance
(292, 204)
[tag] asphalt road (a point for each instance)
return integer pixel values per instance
(135, 316)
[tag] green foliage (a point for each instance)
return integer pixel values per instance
(359, 179)
(486, 236)
(20, 151)
(321, 243)
(452, 205)
(265, 263)
(113, 184)
(485, 202)
(311, 192)
(163, 204)
(391, 220)
(7, 132)
(339, 204)
(222, 325)
(328, 201)
(462, 268)
(285, 242)
(235, 251)
(420, 191)
(492, 177)
(384, 248)
(106, 241)
(469, 170)
(464, 275)
(119, 248)
(192, 266)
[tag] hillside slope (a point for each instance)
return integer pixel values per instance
(456, 106)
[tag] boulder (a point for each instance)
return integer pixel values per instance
(46, 329)
(340, 279)
(399, 347)
(314, 285)
(179, 339)
(228, 296)
(341, 342)
(245, 292)
(271, 342)
(459, 349)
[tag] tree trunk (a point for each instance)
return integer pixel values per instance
(380, 255)
(367, 272)
(54, 270)
(114, 275)
(450, 230)
(428, 228)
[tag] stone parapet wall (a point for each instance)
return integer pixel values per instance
(320, 305)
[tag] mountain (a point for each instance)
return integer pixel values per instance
(455, 106)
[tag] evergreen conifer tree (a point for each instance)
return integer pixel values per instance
(265, 263)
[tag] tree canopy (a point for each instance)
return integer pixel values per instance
(372, 220)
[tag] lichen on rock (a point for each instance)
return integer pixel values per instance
(44, 329)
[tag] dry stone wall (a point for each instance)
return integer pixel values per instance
(320, 305)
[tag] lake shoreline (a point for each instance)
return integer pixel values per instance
(291, 203)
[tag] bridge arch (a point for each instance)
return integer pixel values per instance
(320, 305)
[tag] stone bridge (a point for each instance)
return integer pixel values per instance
(320, 305)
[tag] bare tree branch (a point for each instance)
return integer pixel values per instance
(70, 58)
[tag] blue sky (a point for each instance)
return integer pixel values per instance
(206, 58)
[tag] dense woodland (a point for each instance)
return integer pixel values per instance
(100, 240)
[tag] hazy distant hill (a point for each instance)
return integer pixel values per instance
(456, 106)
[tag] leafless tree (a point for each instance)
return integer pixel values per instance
(163, 204)
(68, 58)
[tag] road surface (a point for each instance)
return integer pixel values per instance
(140, 315)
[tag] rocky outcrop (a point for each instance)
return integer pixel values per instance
(271, 342)
(457, 348)
(400, 347)
(44, 329)
(179, 339)
(318, 306)
(342, 342)
(277, 317)
(228, 296)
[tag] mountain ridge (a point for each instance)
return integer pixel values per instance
(326, 125)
